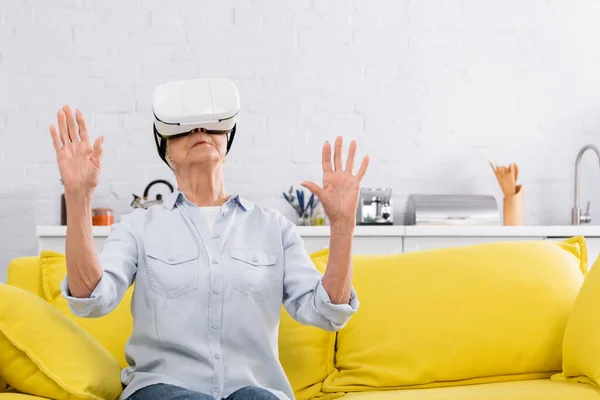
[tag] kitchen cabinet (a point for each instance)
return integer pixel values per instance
(360, 245)
(367, 239)
(53, 237)
(412, 243)
(419, 238)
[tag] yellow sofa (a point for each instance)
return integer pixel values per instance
(475, 322)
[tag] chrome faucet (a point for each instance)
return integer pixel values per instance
(576, 217)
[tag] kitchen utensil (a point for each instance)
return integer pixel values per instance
(300, 195)
(137, 201)
(291, 203)
(513, 194)
(304, 209)
(309, 205)
(513, 208)
(507, 177)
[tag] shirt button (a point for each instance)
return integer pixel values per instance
(254, 260)
(216, 237)
(215, 291)
(215, 261)
(215, 326)
(217, 356)
(171, 258)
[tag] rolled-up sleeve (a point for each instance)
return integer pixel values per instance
(118, 260)
(337, 314)
(304, 296)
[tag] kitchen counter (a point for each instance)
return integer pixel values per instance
(406, 230)
(390, 239)
(505, 231)
(496, 231)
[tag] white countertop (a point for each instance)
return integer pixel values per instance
(407, 230)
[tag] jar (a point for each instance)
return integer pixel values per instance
(102, 217)
(319, 218)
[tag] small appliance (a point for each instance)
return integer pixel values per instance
(375, 207)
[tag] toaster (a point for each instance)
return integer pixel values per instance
(375, 207)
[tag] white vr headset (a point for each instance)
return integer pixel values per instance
(211, 105)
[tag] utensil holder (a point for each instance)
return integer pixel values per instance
(514, 214)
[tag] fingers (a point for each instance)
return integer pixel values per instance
(326, 157)
(337, 155)
(363, 168)
(98, 149)
(58, 145)
(83, 129)
(72, 128)
(62, 127)
(313, 187)
(351, 155)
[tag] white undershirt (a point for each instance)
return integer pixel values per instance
(210, 215)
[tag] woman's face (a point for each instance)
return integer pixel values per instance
(196, 148)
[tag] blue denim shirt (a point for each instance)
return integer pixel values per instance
(206, 306)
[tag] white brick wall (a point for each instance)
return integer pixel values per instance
(423, 85)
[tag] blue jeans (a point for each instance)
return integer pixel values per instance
(163, 391)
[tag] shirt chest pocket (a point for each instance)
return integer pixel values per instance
(254, 272)
(173, 272)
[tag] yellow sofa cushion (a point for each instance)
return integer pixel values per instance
(480, 313)
(3, 385)
(306, 353)
(24, 272)
(45, 354)
(581, 345)
(19, 396)
(542, 389)
(54, 270)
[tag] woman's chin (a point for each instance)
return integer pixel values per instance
(206, 157)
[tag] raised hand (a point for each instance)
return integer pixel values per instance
(78, 161)
(341, 188)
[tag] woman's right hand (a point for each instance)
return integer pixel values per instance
(79, 162)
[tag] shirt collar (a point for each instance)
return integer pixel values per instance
(172, 199)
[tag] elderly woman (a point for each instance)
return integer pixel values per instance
(211, 269)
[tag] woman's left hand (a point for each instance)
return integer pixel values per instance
(341, 189)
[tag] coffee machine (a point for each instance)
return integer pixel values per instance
(375, 207)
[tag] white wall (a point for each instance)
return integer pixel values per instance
(423, 85)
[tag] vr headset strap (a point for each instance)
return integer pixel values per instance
(161, 146)
(230, 139)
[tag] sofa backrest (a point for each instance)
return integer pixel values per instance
(480, 313)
